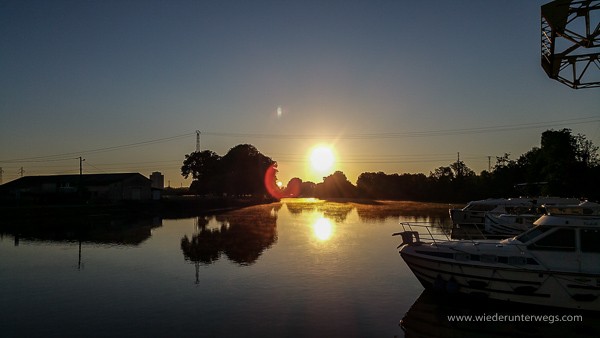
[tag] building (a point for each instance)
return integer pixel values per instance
(158, 180)
(87, 187)
(158, 184)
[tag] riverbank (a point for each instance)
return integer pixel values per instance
(169, 207)
(175, 207)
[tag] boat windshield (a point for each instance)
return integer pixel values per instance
(480, 207)
(558, 240)
(533, 233)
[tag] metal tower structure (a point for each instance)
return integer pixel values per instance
(571, 42)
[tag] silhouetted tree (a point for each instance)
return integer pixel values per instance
(586, 152)
(240, 172)
(460, 170)
(393, 186)
(501, 180)
(307, 189)
(293, 188)
(243, 169)
(200, 164)
(336, 185)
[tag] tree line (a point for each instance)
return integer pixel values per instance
(564, 165)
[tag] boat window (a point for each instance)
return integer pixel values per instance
(461, 256)
(533, 233)
(482, 207)
(559, 240)
(517, 260)
(485, 258)
(590, 240)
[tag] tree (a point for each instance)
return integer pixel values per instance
(586, 152)
(505, 174)
(460, 170)
(203, 167)
(336, 185)
(293, 188)
(307, 189)
(200, 164)
(503, 161)
(241, 171)
(444, 174)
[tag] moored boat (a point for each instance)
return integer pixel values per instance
(474, 212)
(509, 224)
(514, 224)
(556, 263)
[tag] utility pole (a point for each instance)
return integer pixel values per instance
(81, 165)
(197, 141)
(489, 163)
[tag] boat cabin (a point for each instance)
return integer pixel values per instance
(558, 242)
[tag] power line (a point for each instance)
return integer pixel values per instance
(382, 135)
(430, 133)
(92, 151)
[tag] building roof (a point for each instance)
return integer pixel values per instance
(86, 179)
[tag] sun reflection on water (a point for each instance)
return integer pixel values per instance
(323, 229)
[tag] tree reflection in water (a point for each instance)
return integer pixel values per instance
(242, 236)
(371, 211)
(332, 210)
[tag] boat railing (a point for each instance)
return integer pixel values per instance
(412, 232)
(423, 232)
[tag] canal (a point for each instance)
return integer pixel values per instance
(298, 268)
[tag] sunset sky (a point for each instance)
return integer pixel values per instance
(392, 86)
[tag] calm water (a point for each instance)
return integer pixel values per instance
(300, 268)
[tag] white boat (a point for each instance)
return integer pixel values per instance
(474, 212)
(556, 263)
(509, 224)
(515, 224)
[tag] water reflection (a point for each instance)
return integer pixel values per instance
(331, 210)
(97, 230)
(348, 285)
(434, 315)
(323, 229)
(370, 211)
(379, 211)
(240, 235)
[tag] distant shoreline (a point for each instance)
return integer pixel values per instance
(192, 206)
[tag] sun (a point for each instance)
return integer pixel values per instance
(322, 158)
(323, 229)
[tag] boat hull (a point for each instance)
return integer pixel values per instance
(522, 285)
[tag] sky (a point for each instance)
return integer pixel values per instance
(391, 86)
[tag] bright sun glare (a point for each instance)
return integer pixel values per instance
(322, 158)
(323, 229)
